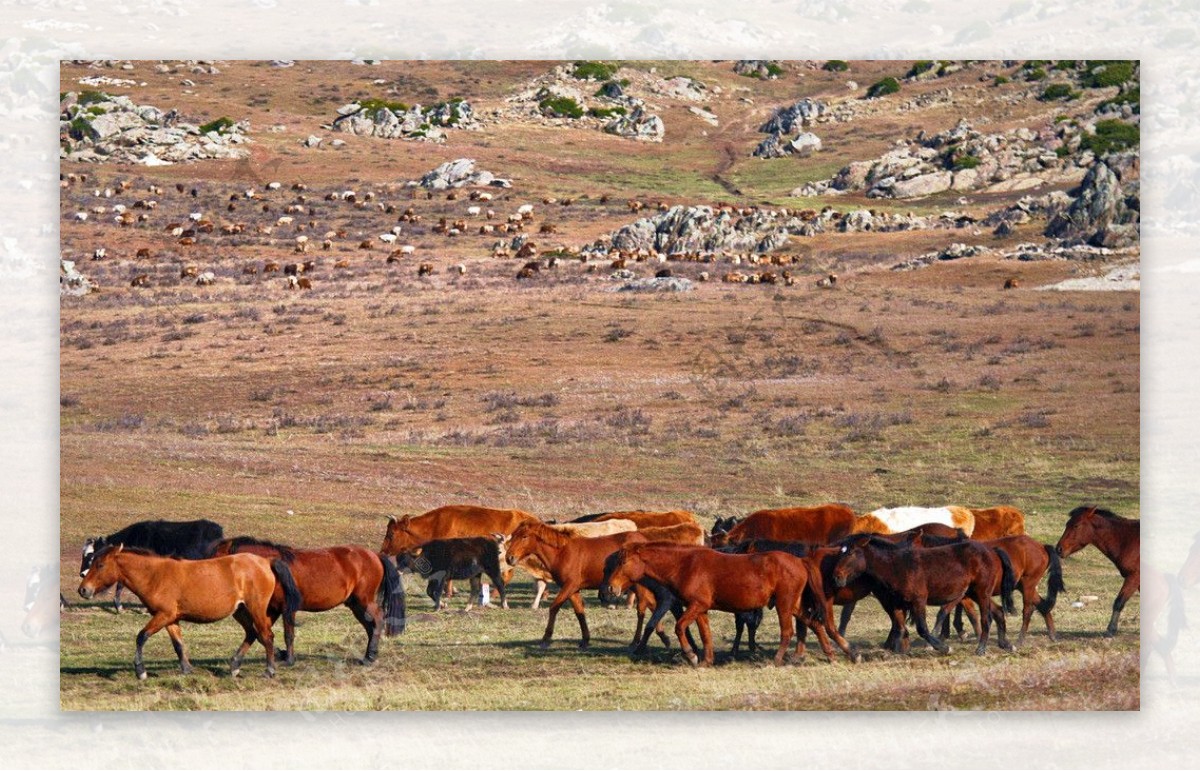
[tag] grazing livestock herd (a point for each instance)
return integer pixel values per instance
(800, 562)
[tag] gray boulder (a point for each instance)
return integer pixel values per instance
(639, 125)
(1103, 213)
(787, 120)
(459, 173)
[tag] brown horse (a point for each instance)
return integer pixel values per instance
(200, 591)
(939, 575)
(704, 579)
(651, 518)
(407, 532)
(997, 522)
(575, 564)
(328, 578)
(1030, 561)
(817, 524)
(1117, 538)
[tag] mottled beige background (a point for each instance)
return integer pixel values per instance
(37, 33)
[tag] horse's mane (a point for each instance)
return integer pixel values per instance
(1081, 510)
(546, 534)
(286, 553)
(133, 550)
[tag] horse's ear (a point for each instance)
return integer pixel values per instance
(499, 537)
(391, 519)
(119, 549)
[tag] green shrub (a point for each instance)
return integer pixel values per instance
(1062, 151)
(1037, 73)
(1000, 80)
(774, 70)
(219, 125)
(87, 97)
(888, 85)
(1132, 96)
(1034, 64)
(593, 70)
(606, 112)
(966, 161)
(1058, 91)
(81, 129)
(1101, 74)
(1111, 136)
(1065, 64)
(373, 106)
(835, 65)
(560, 106)
(919, 68)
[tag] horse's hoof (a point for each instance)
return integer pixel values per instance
(544, 644)
(856, 658)
(1006, 646)
(1109, 633)
(583, 646)
(367, 661)
(692, 659)
(141, 675)
(187, 670)
(234, 672)
(270, 671)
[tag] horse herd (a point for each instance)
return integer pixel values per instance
(798, 561)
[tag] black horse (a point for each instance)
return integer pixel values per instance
(450, 559)
(186, 540)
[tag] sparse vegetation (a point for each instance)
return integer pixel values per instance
(220, 125)
(594, 70)
(835, 65)
(1111, 136)
(560, 107)
(888, 85)
(1058, 92)
(1103, 74)
(920, 68)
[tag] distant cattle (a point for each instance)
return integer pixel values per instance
(1011, 283)
(141, 279)
(425, 269)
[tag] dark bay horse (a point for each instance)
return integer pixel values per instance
(353, 576)
(704, 579)
(1117, 538)
(200, 591)
(941, 575)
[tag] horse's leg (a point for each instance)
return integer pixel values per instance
(499, 584)
(537, 597)
(835, 635)
(176, 635)
(1127, 589)
(564, 593)
(706, 638)
(958, 624)
(476, 594)
(117, 596)
(918, 614)
(1001, 628)
(262, 627)
(1029, 600)
(157, 622)
(847, 611)
(435, 590)
(289, 635)
(787, 626)
(685, 619)
(371, 624)
(644, 599)
(968, 606)
(663, 601)
(242, 616)
(739, 621)
(581, 615)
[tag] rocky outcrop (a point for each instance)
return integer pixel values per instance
(960, 159)
(778, 146)
(1106, 207)
(460, 173)
(764, 69)
(705, 230)
(792, 118)
(954, 251)
(399, 121)
(71, 281)
(786, 121)
(95, 127)
(639, 125)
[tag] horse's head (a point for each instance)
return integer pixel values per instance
(398, 537)
(851, 564)
(621, 569)
(1189, 574)
(1080, 531)
(102, 573)
(521, 543)
(90, 547)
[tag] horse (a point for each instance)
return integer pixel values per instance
(575, 528)
(704, 579)
(458, 521)
(41, 611)
(1030, 561)
(1117, 538)
(199, 591)
(325, 579)
(645, 519)
(886, 521)
(816, 524)
(997, 522)
(575, 564)
(187, 540)
(721, 528)
(942, 575)
(450, 558)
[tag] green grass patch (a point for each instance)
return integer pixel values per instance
(594, 70)
(560, 107)
(836, 65)
(373, 106)
(1111, 136)
(888, 85)
(920, 68)
(1102, 74)
(220, 125)
(1058, 92)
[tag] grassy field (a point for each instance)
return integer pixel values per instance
(307, 418)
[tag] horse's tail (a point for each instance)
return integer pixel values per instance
(291, 593)
(1055, 584)
(814, 593)
(395, 609)
(1008, 582)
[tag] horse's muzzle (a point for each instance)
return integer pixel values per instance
(510, 559)
(840, 581)
(86, 593)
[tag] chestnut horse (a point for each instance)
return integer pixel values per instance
(704, 579)
(1117, 538)
(997, 522)
(651, 518)
(575, 564)
(200, 591)
(328, 578)
(1030, 561)
(817, 524)
(541, 574)
(941, 575)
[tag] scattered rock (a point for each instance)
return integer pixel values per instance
(639, 125)
(763, 69)
(460, 173)
(705, 115)
(665, 284)
(1105, 210)
(71, 281)
(399, 121)
(312, 141)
